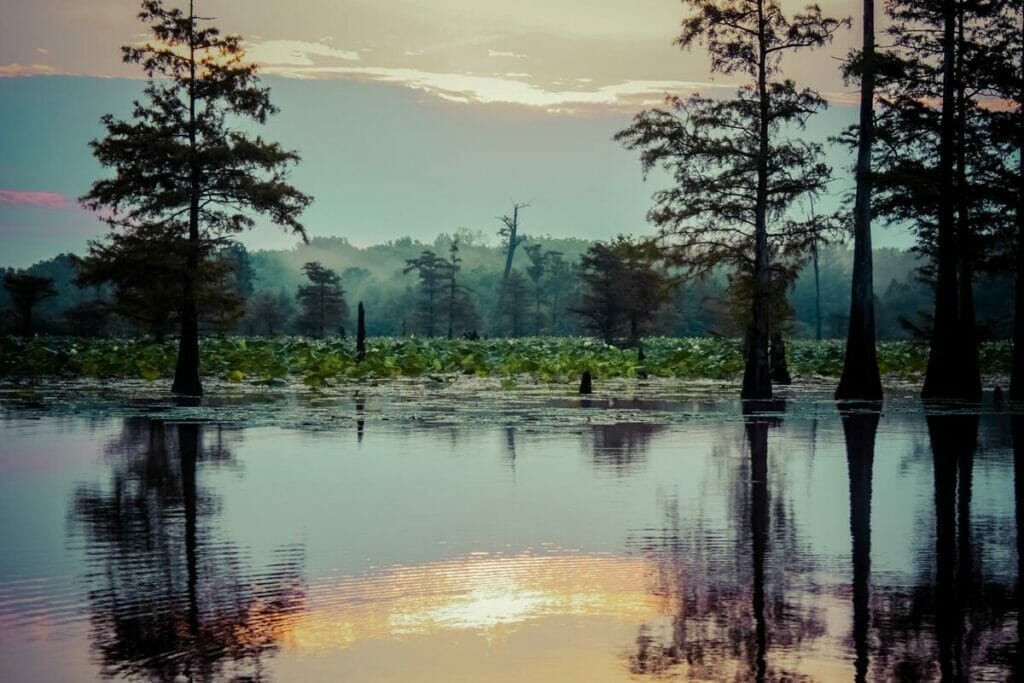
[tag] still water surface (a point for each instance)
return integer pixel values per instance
(803, 545)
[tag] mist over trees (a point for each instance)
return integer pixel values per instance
(374, 275)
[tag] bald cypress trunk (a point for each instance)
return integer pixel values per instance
(943, 376)
(861, 379)
(1017, 372)
(757, 382)
(186, 371)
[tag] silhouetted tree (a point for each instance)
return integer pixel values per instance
(26, 291)
(268, 314)
(935, 167)
(1004, 58)
(458, 307)
(322, 301)
(735, 172)
(509, 232)
(861, 378)
(542, 263)
(144, 268)
(181, 167)
(623, 290)
(433, 273)
(88, 318)
(513, 299)
(559, 276)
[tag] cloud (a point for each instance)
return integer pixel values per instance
(500, 53)
(15, 70)
(294, 53)
(39, 200)
(496, 89)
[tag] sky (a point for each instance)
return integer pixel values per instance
(413, 117)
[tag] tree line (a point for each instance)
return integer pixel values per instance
(938, 149)
(255, 293)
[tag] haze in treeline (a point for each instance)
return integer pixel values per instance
(257, 293)
(938, 149)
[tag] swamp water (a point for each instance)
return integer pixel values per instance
(506, 537)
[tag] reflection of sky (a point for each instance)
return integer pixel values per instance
(419, 543)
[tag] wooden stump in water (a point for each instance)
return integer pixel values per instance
(777, 359)
(586, 384)
(361, 335)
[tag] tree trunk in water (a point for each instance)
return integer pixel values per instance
(860, 379)
(757, 383)
(817, 291)
(859, 430)
(942, 378)
(361, 334)
(186, 371)
(1017, 372)
(970, 377)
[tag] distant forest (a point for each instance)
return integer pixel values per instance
(402, 286)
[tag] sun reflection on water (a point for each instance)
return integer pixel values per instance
(488, 594)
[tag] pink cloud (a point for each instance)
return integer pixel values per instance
(15, 70)
(40, 200)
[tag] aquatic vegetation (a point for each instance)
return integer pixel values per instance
(319, 362)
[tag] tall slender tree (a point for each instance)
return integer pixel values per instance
(1005, 56)
(322, 301)
(455, 301)
(935, 167)
(736, 174)
(182, 163)
(432, 271)
(861, 379)
(509, 232)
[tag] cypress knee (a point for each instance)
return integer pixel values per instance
(586, 384)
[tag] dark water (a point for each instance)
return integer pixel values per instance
(801, 546)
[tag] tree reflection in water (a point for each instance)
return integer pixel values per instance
(168, 596)
(959, 621)
(620, 446)
(729, 600)
(860, 427)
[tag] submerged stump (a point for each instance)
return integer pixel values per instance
(777, 359)
(361, 334)
(586, 384)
